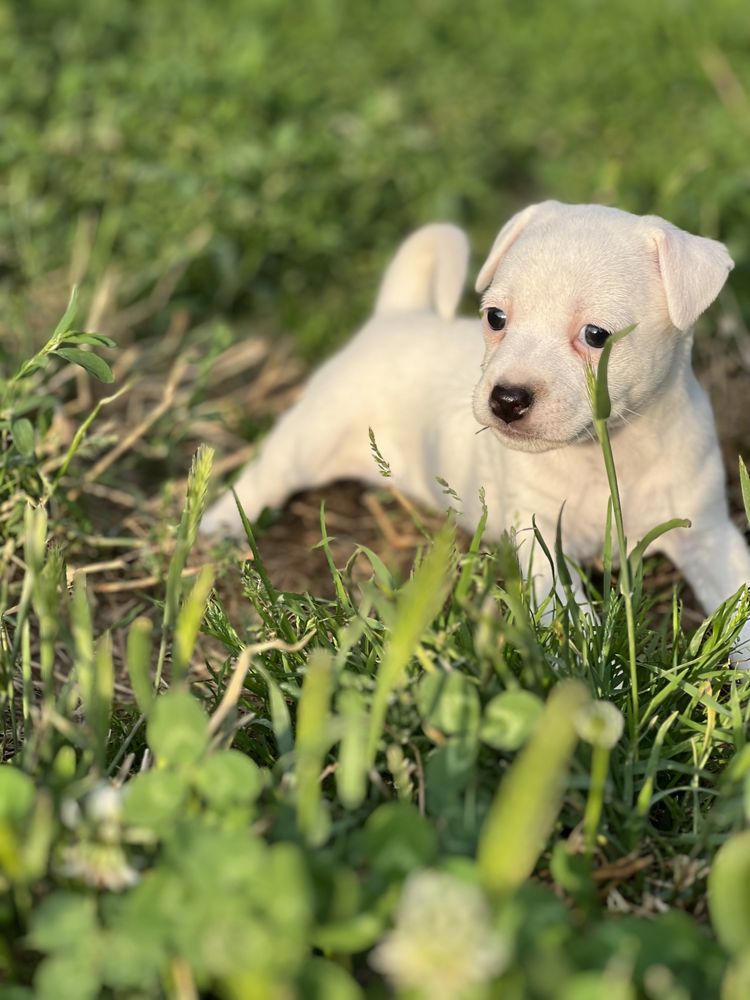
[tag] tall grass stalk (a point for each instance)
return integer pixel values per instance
(602, 409)
(195, 502)
(600, 723)
(418, 603)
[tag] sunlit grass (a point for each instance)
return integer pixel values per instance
(437, 722)
(218, 785)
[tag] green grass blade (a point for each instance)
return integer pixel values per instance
(638, 551)
(417, 604)
(139, 649)
(351, 773)
(383, 576)
(195, 503)
(562, 567)
(189, 622)
(103, 694)
(525, 808)
(601, 401)
(80, 434)
(312, 740)
(281, 721)
(607, 560)
(464, 580)
(280, 622)
(745, 486)
(83, 642)
(324, 544)
(643, 802)
(257, 561)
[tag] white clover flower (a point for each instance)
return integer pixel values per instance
(103, 809)
(101, 866)
(70, 813)
(600, 723)
(104, 803)
(443, 944)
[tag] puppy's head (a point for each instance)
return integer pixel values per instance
(559, 280)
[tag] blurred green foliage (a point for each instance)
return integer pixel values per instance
(321, 821)
(362, 792)
(252, 849)
(284, 148)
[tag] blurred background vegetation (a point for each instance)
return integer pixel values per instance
(274, 153)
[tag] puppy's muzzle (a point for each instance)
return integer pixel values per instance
(510, 402)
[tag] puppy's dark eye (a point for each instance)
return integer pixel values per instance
(595, 336)
(496, 319)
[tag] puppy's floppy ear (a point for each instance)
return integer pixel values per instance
(503, 241)
(693, 270)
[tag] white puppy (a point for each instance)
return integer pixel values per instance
(558, 281)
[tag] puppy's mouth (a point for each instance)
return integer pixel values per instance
(527, 439)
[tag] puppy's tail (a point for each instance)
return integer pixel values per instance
(427, 274)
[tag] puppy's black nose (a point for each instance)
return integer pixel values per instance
(510, 402)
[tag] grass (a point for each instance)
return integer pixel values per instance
(333, 757)
(265, 771)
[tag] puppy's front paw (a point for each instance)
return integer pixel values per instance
(223, 518)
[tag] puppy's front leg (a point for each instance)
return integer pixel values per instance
(306, 449)
(253, 493)
(715, 562)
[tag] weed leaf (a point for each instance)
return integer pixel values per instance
(93, 364)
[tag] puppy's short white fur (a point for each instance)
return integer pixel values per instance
(424, 380)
